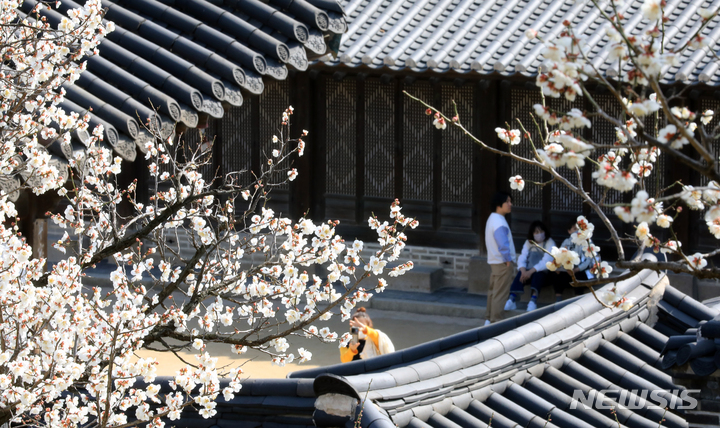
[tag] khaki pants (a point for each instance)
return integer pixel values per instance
(500, 279)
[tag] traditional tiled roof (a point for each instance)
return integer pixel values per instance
(539, 369)
(189, 59)
(692, 332)
(523, 369)
(487, 37)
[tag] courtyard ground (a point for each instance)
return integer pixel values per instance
(405, 330)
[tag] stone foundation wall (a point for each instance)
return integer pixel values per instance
(455, 263)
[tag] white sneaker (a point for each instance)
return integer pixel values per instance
(487, 322)
(510, 305)
(531, 306)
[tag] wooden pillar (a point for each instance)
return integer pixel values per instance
(318, 139)
(398, 152)
(255, 145)
(300, 189)
(690, 224)
(485, 168)
(437, 157)
(360, 151)
(39, 239)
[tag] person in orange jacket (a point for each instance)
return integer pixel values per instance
(370, 341)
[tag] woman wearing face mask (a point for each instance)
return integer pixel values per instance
(369, 342)
(531, 266)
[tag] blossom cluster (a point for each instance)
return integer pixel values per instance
(567, 259)
(68, 348)
(250, 268)
(647, 122)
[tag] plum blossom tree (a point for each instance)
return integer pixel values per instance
(625, 164)
(252, 279)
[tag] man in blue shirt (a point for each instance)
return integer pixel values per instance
(500, 255)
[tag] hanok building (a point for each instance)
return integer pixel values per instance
(378, 143)
(234, 69)
(230, 68)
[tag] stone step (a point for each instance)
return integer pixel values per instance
(426, 279)
(479, 279)
(433, 308)
(710, 405)
(701, 417)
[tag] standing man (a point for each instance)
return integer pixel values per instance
(500, 256)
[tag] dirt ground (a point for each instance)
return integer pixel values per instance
(404, 329)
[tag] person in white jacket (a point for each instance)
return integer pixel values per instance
(531, 266)
(561, 279)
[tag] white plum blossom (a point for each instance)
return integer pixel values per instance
(562, 257)
(697, 261)
(511, 137)
(670, 247)
(643, 207)
(652, 9)
(707, 117)
(642, 232)
(670, 134)
(664, 220)
(627, 304)
(692, 197)
(517, 183)
(601, 270)
(439, 122)
(304, 354)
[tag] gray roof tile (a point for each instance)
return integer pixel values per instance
(490, 348)
(571, 333)
(426, 369)
(523, 353)
(511, 340)
(463, 418)
(500, 362)
(531, 331)
(476, 371)
(168, 55)
(403, 375)
(487, 37)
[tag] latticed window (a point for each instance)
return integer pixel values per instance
(273, 102)
(562, 198)
(236, 141)
(714, 105)
(379, 138)
(341, 119)
(418, 145)
(192, 141)
(457, 148)
(603, 133)
(521, 105)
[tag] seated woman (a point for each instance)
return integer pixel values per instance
(531, 266)
(370, 342)
(561, 279)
